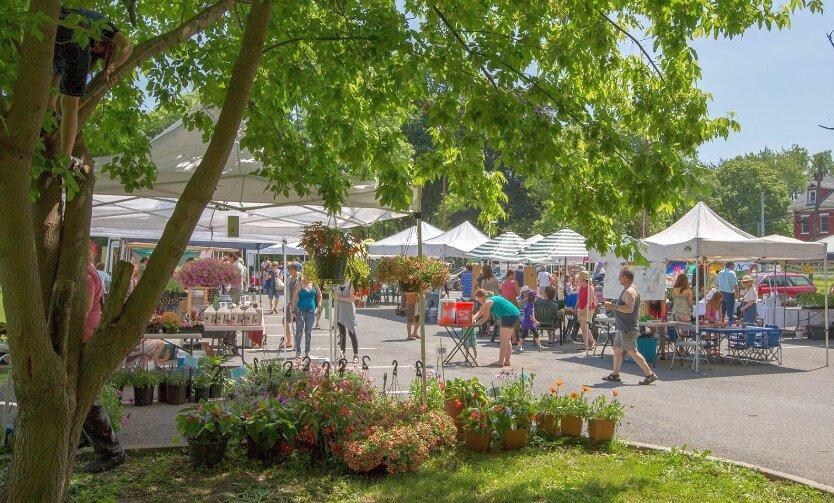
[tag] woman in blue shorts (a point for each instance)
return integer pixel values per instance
(504, 310)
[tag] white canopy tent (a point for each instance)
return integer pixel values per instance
(561, 245)
(291, 248)
(403, 242)
(701, 234)
(534, 239)
(456, 242)
(504, 248)
(177, 152)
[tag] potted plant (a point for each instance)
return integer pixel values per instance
(175, 385)
(550, 410)
(476, 422)
(576, 409)
(268, 428)
(461, 394)
(604, 416)
(514, 410)
(330, 248)
(206, 427)
(201, 385)
(120, 379)
(413, 274)
(144, 384)
(218, 381)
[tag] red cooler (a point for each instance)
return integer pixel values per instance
(464, 312)
(447, 312)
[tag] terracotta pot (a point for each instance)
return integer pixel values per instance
(549, 424)
(515, 439)
(477, 441)
(601, 430)
(453, 410)
(571, 426)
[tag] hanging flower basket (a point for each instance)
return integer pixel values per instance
(331, 268)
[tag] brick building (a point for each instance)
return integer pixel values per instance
(805, 223)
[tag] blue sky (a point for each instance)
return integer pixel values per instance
(779, 84)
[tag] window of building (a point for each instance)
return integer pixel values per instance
(806, 227)
(812, 196)
(823, 224)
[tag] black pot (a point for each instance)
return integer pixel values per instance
(207, 452)
(143, 397)
(201, 394)
(175, 394)
(163, 392)
(216, 391)
(260, 451)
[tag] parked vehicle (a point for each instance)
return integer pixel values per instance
(790, 284)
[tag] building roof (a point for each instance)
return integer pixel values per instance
(800, 203)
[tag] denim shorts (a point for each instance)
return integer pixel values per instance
(72, 63)
(509, 321)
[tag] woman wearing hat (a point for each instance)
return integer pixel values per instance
(585, 306)
(749, 296)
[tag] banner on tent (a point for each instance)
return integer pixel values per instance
(650, 281)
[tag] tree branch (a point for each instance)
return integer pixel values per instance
(149, 49)
(826, 127)
(830, 37)
(463, 43)
(125, 330)
(331, 38)
(633, 39)
(58, 322)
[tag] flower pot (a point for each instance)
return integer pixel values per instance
(163, 392)
(549, 424)
(207, 452)
(175, 394)
(330, 267)
(571, 426)
(216, 391)
(201, 394)
(453, 411)
(601, 430)
(143, 397)
(260, 451)
(477, 441)
(515, 439)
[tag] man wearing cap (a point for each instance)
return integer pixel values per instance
(728, 286)
(749, 297)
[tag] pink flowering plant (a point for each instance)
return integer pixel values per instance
(208, 273)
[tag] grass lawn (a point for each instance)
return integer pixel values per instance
(548, 472)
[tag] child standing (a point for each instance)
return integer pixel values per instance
(529, 322)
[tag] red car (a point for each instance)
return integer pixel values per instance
(790, 284)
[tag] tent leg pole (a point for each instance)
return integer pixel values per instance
(827, 328)
(421, 300)
(287, 296)
(697, 327)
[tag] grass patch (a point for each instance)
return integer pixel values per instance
(555, 471)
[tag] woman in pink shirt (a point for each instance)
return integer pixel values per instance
(509, 288)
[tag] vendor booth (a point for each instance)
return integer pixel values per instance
(456, 242)
(403, 242)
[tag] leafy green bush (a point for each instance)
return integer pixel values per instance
(111, 400)
(142, 378)
(815, 299)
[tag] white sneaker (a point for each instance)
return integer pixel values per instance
(520, 348)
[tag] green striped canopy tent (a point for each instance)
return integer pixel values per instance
(503, 248)
(561, 245)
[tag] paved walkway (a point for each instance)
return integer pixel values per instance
(779, 417)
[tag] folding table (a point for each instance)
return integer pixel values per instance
(459, 333)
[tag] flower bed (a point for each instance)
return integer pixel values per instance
(285, 412)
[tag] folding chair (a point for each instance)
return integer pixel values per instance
(688, 345)
(548, 316)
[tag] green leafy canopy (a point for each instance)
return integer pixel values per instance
(560, 92)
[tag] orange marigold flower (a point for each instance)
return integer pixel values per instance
(574, 395)
(615, 393)
(585, 389)
(559, 382)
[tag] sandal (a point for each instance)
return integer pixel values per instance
(495, 364)
(612, 378)
(649, 379)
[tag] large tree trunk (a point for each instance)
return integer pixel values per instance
(56, 379)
